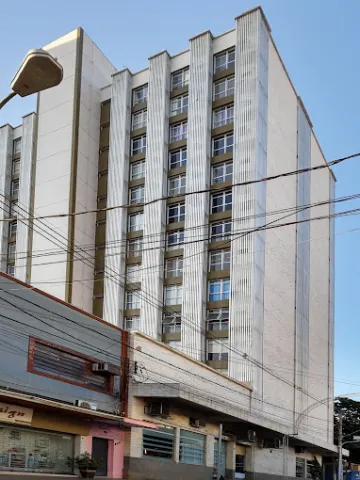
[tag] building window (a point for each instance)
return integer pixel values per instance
(239, 464)
(62, 364)
(17, 146)
(180, 78)
(27, 450)
(12, 229)
(218, 319)
(177, 185)
(171, 324)
(174, 267)
(140, 95)
(224, 60)
(179, 105)
(300, 467)
(15, 187)
(137, 170)
(178, 132)
(136, 222)
(133, 274)
(10, 269)
(134, 247)
(219, 290)
(221, 202)
(177, 158)
(15, 167)
(132, 301)
(220, 231)
(219, 260)
(175, 240)
(132, 323)
(192, 448)
(173, 295)
(223, 172)
(139, 120)
(176, 212)
(11, 250)
(138, 145)
(223, 116)
(224, 88)
(158, 443)
(14, 209)
(137, 194)
(223, 144)
(217, 349)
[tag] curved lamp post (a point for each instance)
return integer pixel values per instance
(38, 71)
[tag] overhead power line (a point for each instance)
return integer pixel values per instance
(186, 194)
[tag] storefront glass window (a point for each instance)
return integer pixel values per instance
(28, 450)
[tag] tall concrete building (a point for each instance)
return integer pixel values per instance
(181, 253)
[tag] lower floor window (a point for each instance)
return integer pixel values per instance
(158, 443)
(27, 450)
(300, 467)
(192, 448)
(218, 349)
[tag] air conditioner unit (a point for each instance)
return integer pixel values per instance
(157, 409)
(300, 449)
(196, 423)
(100, 367)
(272, 443)
(86, 404)
(251, 435)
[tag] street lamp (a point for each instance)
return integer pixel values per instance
(38, 71)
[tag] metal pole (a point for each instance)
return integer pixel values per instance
(7, 99)
(340, 445)
(218, 473)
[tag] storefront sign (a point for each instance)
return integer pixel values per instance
(15, 414)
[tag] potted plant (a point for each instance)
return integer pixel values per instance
(86, 464)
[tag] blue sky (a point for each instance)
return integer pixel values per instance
(319, 43)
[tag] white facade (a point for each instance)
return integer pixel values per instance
(178, 135)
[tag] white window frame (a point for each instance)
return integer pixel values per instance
(177, 185)
(223, 116)
(12, 229)
(16, 167)
(17, 145)
(171, 323)
(11, 249)
(137, 194)
(14, 209)
(224, 235)
(177, 163)
(174, 267)
(132, 323)
(173, 295)
(141, 172)
(229, 85)
(15, 187)
(219, 260)
(228, 146)
(134, 247)
(138, 224)
(217, 349)
(228, 60)
(179, 105)
(179, 244)
(224, 292)
(10, 269)
(179, 216)
(142, 145)
(225, 206)
(181, 132)
(133, 273)
(141, 98)
(184, 76)
(132, 300)
(139, 120)
(219, 172)
(218, 319)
